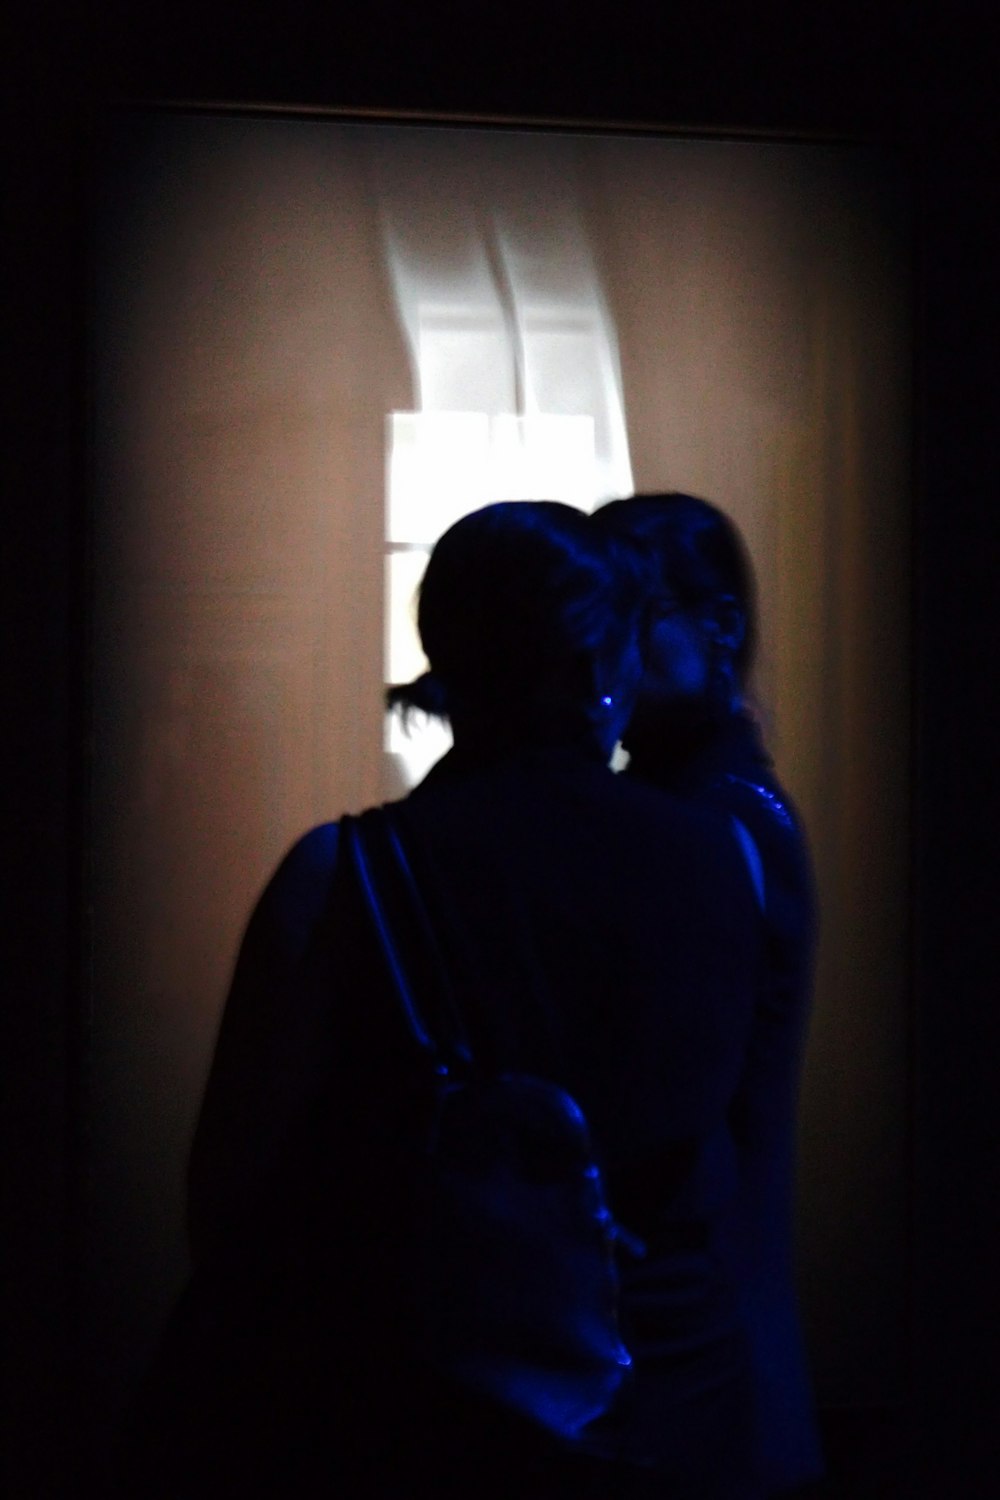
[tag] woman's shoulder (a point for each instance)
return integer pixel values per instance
(299, 888)
(740, 776)
(760, 797)
(770, 816)
(571, 811)
(655, 806)
(313, 852)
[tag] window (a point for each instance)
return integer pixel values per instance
(515, 367)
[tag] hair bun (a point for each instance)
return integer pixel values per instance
(426, 693)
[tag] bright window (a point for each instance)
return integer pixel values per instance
(515, 367)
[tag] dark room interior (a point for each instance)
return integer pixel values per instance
(886, 77)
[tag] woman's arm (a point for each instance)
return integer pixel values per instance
(236, 1126)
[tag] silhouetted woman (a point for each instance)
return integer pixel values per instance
(609, 937)
(692, 735)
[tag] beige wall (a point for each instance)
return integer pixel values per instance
(245, 355)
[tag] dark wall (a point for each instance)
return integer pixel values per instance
(875, 70)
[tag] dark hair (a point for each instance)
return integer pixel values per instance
(519, 602)
(698, 551)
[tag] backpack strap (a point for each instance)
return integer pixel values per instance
(776, 813)
(433, 987)
(751, 854)
(407, 939)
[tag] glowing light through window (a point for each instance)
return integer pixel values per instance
(514, 362)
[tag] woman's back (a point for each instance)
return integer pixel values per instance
(691, 736)
(606, 932)
(612, 941)
(601, 935)
(732, 774)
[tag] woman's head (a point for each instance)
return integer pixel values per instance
(529, 619)
(703, 630)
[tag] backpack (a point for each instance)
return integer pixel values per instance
(511, 1281)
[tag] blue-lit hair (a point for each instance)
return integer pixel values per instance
(698, 551)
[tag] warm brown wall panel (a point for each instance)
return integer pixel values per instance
(241, 344)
